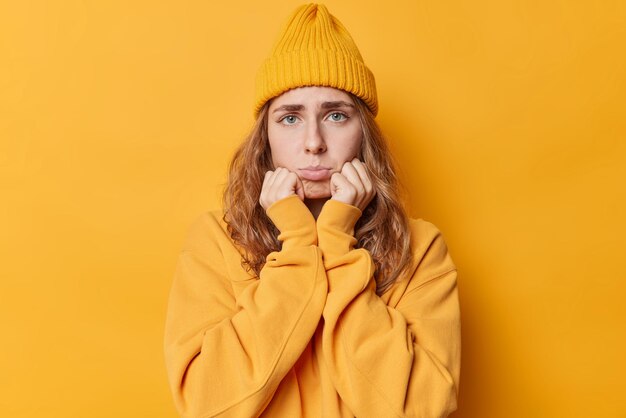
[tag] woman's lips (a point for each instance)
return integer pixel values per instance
(314, 173)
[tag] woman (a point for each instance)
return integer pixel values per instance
(311, 293)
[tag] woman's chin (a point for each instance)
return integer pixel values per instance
(316, 189)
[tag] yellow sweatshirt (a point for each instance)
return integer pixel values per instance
(310, 337)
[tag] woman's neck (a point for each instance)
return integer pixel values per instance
(315, 205)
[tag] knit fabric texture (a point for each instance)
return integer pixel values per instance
(314, 49)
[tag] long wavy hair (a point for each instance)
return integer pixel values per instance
(383, 228)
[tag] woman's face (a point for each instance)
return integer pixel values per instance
(313, 131)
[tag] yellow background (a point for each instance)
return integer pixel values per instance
(117, 120)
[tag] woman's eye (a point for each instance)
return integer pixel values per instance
(338, 117)
(290, 120)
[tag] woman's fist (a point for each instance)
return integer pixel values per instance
(353, 185)
(279, 184)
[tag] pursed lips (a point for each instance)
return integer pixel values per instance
(315, 173)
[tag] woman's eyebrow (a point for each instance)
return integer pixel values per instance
(325, 105)
(339, 103)
(289, 107)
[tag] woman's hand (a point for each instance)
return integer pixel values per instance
(353, 185)
(279, 184)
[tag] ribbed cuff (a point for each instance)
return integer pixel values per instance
(335, 228)
(315, 67)
(294, 221)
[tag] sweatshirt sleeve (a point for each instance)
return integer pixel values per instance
(226, 355)
(401, 361)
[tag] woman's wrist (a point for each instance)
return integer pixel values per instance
(335, 227)
(294, 221)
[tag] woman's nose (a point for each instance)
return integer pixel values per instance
(315, 141)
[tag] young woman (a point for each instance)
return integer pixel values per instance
(311, 294)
